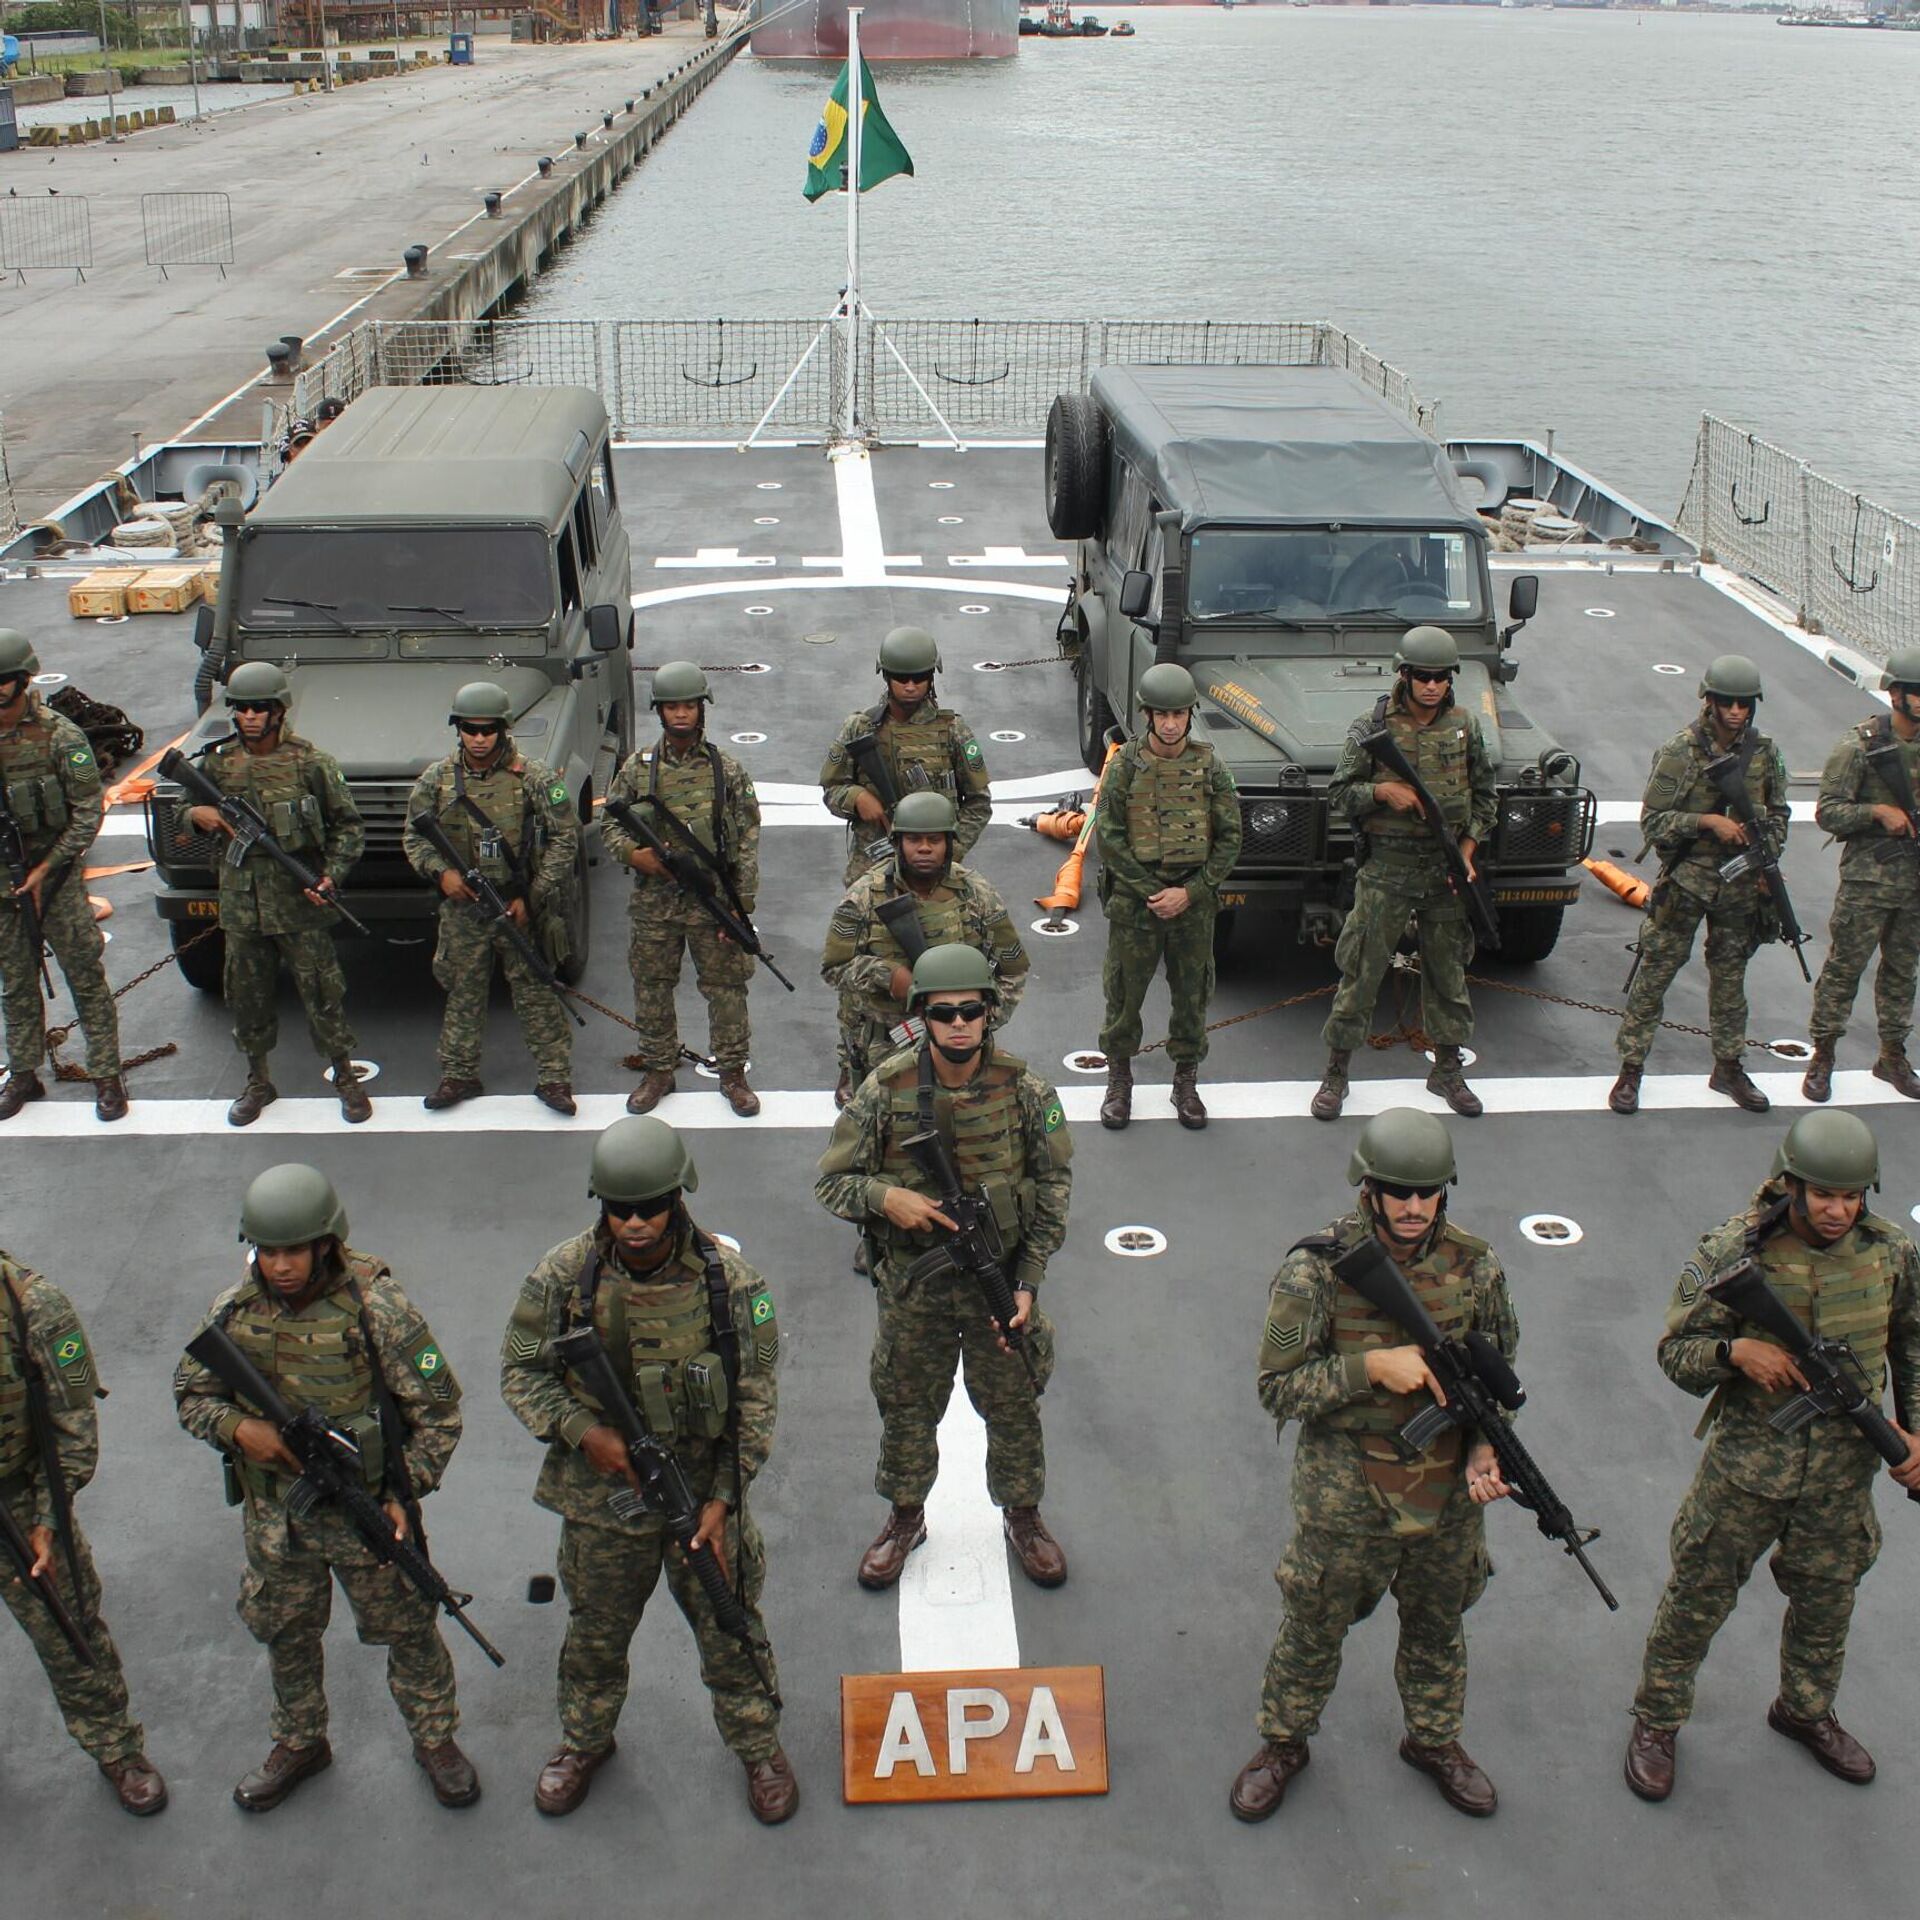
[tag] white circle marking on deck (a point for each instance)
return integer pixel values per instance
(757, 612)
(1790, 1049)
(1468, 1057)
(952, 520)
(713, 1073)
(1667, 666)
(767, 520)
(1598, 613)
(366, 1069)
(1552, 1230)
(769, 486)
(1007, 736)
(1087, 1060)
(1136, 1243)
(748, 739)
(1056, 929)
(974, 606)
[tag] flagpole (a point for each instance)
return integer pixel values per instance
(856, 108)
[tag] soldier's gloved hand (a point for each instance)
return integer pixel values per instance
(1484, 1483)
(397, 1515)
(455, 888)
(1402, 1370)
(914, 1213)
(40, 1539)
(607, 1453)
(260, 1441)
(1023, 1312)
(1768, 1367)
(869, 808)
(1894, 820)
(712, 1532)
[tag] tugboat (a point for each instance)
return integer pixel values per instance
(1061, 25)
(1123, 30)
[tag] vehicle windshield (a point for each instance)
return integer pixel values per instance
(444, 579)
(1310, 574)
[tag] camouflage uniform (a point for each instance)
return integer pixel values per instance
(1364, 1523)
(709, 793)
(318, 1357)
(1809, 1495)
(1690, 889)
(861, 953)
(528, 853)
(93, 1700)
(1402, 875)
(1163, 822)
(303, 797)
(53, 791)
(935, 740)
(1878, 904)
(1010, 1141)
(655, 1324)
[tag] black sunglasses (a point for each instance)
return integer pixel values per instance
(13, 685)
(1399, 1190)
(1429, 674)
(488, 727)
(910, 679)
(254, 706)
(946, 1014)
(642, 1209)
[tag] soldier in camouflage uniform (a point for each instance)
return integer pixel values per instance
(1878, 904)
(49, 1447)
(1402, 874)
(331, 1329)
(1846, 1275)
(708, 792)
(1367, 1523)
(692, 1334)
(512, 818)
(919, 743)
(1168, 819)
(50, 786)
(264, 918)
(1682, 814)
(865, 961)
(1010, 1143)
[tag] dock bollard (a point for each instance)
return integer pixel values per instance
(629, 105)
(493, 205)
(546, 168)
(606, 120)
(294, 345)
(416, 259)
(579, 139)
(279, 361)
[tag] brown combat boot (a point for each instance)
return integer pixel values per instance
(1449, 1080)
(279, 1773)
(1817, 1083)
(1189, 1109)
(1625, 1097)
(740, 1097)
(19, 1089)
(564, 1780)
(1038, 1552)
(1462, 1785)
(110, 1098)
(449, 1772)
(556, 1095)
(138, 1783)
(655, 1084)
(450, 1092)
(1260, 1786)
(354, 1104)
(883, 1562)
(1327, 1102)
(255, 1098)
(1897, 1071)
(1649, 1767)
(1117, 1108)
(773, 1794)
(1829, 1742)
(1730, 1077)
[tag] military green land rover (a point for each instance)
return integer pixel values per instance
(429, 537)
(1275, 530)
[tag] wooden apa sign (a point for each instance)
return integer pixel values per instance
(1018, 1733)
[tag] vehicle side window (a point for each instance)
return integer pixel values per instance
(1128, 523)
(600, 492)
(583, 533)
(569, 571)
(1150, 559)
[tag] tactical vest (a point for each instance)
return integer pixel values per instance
(924, 740)
(942, 920)
(277, 784)
(30, 760)
(1876, 847)
(501, 847)
(691, 787)
(1440, 753)
(982, 1121)
(660, 1335)
(1169, 818)
(1842, 1293)
(17, 1450)
(1700, 795)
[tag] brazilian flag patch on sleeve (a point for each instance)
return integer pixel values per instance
(70, 1349)
(971, 753)
(431, 1365)
(80, 757)
(766, 1345)
(557, 794)
(1054, 1118)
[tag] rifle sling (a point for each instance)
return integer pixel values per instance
(516, 862)
(718, 865)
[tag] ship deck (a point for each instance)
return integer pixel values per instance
(1165, 1487)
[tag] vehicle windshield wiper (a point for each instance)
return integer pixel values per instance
(313, 606)
(458, 615)
(1272, 614)
(1358, 613)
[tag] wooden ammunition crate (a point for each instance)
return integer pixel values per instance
(164, 590)
(209, 581)
(101, 595)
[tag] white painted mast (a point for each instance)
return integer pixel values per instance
(850, 419)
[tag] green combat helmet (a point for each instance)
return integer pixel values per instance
(1733, 677)
(16, 653)
(1406, 1148)
(908, 650)
(291, 1206)
(1431, 647)
(1834, 1150)
(1903, 667)
(481, 700)
(678, 680)
(1166, 688)
(256, 680)
(640, 1160)
(924, 812)
(951, 969)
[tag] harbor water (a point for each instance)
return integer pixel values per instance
(1595, 223)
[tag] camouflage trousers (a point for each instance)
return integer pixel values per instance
(722, 970)
(925, 1331)
(286, 1600)
(92, 1700)
(1666, 944)
(1861, 924)
(609, 1574)
(68, 925)
(1137, 945)
(1388, 892)
(250, 979)
(1343, 1559)
(463, 964)
(1823, 1543)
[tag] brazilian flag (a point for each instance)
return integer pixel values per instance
(881, 154)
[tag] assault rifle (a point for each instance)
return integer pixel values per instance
(700, 877)
(1728, 774)
(1890, 764)
(1470, 885)
(248, 828)
(491, 906)
(974, 1247)
(330, 1476)
(1836, 1382)
(663, 1488)
(864, 751)
(901, 918)
(1479, 1385)
(13, 852)
(19, 1550)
